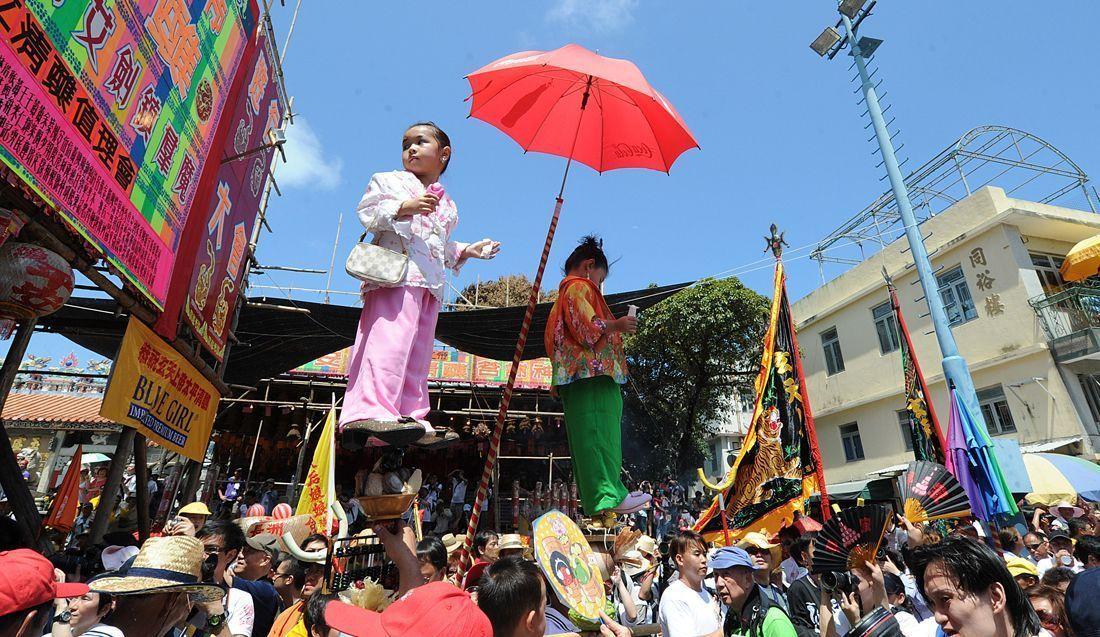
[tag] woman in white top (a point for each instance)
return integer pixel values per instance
(86, 615)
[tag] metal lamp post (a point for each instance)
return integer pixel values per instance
(828, 44)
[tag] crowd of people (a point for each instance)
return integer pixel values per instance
(203, 575)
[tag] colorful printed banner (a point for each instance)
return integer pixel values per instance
(924, 428)
(779, 465)
(156, 391)
(449, 366)
(109, 113)
(567, 561)
(319, 491)
(230, 214)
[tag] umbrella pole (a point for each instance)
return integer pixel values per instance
(521, 342)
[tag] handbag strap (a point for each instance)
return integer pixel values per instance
(404, 250)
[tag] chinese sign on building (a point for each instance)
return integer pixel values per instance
(108, 110)
(233, 207)
(156, 391)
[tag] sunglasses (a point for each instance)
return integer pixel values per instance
(1033, 546)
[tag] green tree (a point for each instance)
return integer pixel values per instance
(506, 291)
(691, 353)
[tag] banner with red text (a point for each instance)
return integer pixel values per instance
(109, 113)
(156, 391)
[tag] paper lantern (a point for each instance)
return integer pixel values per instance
(257, 510)
(282, 511)
(33, 281)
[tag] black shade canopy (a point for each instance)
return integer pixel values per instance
(277, 335)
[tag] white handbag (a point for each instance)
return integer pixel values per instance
(374, 264)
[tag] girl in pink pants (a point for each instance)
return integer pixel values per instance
(387, 396)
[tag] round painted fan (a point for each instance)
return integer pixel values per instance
(850, 538)
(929, 492)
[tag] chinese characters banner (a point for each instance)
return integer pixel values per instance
(155, 390)
(234, 205)
(108, 110)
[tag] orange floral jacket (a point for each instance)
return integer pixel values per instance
(577, 340)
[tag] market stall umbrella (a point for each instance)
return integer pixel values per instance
(574, 103)
(1056, 477)
(971, 460)
(1082, 260)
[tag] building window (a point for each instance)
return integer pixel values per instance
(886, 324)
(906, 436)
(998, 417)
(1047, 266)
(956, 297)
(853, 446)
(834, 360)
(1090, 384)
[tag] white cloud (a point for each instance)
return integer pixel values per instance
(306, 164)
(601, 16)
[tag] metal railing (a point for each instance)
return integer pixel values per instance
(1074, 309)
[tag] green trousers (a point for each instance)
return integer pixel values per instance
(593, 419)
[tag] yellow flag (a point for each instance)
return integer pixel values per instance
(320, 489)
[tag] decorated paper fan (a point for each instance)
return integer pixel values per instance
(569, 564)
(850, 538)
(930, 492)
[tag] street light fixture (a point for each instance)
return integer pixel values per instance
(852, 14)
(850, 8)
(825, 41)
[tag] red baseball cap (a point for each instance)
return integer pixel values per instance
(27, 581)
(433, 610)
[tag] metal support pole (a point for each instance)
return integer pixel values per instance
(954, 366)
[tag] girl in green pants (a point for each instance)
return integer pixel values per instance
(585, 346)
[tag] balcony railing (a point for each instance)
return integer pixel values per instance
(1071, 320)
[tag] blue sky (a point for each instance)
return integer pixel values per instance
(781, 134)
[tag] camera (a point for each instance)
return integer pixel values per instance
(1066, 560)
(209, 565)
(838, 581)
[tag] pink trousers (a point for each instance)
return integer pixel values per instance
(389, 363)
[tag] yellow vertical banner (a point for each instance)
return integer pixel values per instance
(320, 488)
(155, 390)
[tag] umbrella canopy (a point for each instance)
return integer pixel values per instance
(1082, 260)
(1056, 477)
(91, 458)
(574, 103)
(974, 465)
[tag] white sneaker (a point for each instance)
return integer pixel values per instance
(633, 502)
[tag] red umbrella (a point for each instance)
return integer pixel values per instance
(574, 103)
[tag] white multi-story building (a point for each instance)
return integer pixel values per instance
(1032, 343)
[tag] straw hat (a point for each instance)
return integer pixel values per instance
(633, 563)
(511, 541)
(195, 508)
(646, 546)
(760, 541)
(453, 542)
(164, 565)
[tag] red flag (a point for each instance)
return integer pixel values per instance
(65, 505)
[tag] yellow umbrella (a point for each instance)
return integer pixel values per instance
(1083, 260)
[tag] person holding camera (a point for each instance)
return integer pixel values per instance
(233, 616)
(861, 593)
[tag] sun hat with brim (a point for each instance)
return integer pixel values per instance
(646, 545)
(758, 540)
(170, 564)
(634, 563)
(432, 610)
(195, 508)
(453, 542)
(1018, 566)
(512, 541)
